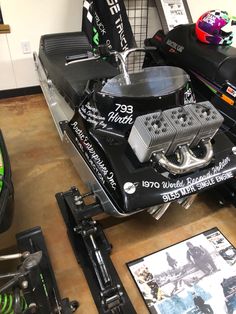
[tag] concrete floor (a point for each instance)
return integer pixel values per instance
(41, 168)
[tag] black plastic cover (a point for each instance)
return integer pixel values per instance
(217, 63)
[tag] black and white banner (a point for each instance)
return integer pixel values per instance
(1, 18)
(106, 22)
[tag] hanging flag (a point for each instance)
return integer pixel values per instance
(106, 22)
(1, 18)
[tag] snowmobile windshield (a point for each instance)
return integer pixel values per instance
(149, 82)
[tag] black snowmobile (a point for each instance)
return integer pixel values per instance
(138, 140)
(211, 68)
(6, 188)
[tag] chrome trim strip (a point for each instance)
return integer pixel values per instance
(59, 108)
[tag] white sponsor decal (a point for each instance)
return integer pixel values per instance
(196, 186)
(231, 91)
(94, 159)
(91, 114)
(99, 24)
(114, 6)
(115, 9)
(117, 116)
(150, 184)
(171, 185)
(191, 185)
(174, 45)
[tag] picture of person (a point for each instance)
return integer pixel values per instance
(191, 277)
(201, 258)
(201, 305)
(171, 261)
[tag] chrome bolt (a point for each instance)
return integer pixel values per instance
(25, 254)
(24, 284)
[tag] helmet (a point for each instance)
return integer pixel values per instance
(209, 28)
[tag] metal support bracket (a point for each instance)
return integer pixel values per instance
(92, 251)
(40, 289)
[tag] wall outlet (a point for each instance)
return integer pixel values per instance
(25, 46)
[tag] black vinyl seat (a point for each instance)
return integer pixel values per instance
(71, 80)
(216, 63)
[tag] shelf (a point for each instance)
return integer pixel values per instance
(4, 28)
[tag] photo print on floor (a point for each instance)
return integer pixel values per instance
(195, 276)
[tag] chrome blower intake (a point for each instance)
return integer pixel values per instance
(180, 133)
(176, 131)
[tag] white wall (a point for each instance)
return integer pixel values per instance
(29, 19)
(7, 77)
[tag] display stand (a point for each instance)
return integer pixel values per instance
(42, 290)
(92, 251)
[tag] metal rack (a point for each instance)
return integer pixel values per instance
(137, 11)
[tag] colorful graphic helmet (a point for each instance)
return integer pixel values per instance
(209, 28)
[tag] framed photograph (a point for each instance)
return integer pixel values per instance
(173, 13)
(195, 276)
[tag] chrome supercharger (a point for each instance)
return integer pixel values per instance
(139, 139)
(176, 131)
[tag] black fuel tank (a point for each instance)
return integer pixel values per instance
(122, 99)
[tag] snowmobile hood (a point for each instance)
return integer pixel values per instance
(133, 186)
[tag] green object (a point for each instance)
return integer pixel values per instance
(44, 286)
(95, 36)
(1, 170)
(212, 89)
(7, 303)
